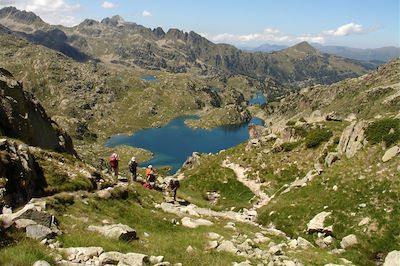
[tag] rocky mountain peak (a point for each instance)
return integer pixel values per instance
(19, 15)
(304, 47)
(114, 21)
(159, 32)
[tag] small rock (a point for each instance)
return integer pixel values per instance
(212, 244)
(41, 263)
(213, 236)
(189, 249)
(390, 153)
(364, 221)
(157, 259)
(276, 250)
(348, 241)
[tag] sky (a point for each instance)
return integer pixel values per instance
(355, 23)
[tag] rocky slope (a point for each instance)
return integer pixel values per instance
(22, 117)
(116, 41)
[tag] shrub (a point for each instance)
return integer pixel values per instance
(289, 146)
(316, 136)
(385, 130)
(290, 123)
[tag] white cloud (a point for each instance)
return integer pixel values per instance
(146, 13)
(51, 11)
(268, 35)
(310, 38)
(347, 29)
(107, 4)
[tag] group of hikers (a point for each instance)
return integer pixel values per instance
(149, 182)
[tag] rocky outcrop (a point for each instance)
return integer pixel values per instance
(21, 178)
(194, 223)
(352, 139)
(22, 117)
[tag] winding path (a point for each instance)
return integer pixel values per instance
(254, 186)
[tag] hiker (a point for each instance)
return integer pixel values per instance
(174, 185)
(114, 163)
(150, 177)
(132, 168)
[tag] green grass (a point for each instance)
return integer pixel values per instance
(379, 131)
(137, 211)
(210, 176)
(26, 252)
(293, 210)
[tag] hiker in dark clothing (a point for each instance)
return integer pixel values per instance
(133, 168)
(174, 185)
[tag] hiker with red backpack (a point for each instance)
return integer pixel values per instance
(114, 163)
(150, 177)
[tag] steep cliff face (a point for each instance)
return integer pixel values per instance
(21, 178)
(22, 117)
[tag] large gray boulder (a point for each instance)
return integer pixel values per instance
(227, 246)
(316, 224)
(40, 232)
(352, 139)
(41, 263)
(116, 231)
(390, 153)
(392, 259)
(331, 158)
(349, 241)
(194, 223)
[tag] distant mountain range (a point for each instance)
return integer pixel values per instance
(114, 41)
(383, 54)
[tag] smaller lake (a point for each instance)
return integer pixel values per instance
(149, 78)
(258, 99)
(173, 143)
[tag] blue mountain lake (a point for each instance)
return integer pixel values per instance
(174, 142)
(149, 78)
(258, 99)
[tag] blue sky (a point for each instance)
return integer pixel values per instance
(356, 23)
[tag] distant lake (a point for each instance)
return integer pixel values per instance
(174, 142)
(149, 78)
(258, 99)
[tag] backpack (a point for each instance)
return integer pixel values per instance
(174, 184)
(113, 161)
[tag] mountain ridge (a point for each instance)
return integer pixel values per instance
(117, 42)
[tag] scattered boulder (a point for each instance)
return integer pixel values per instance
(214, 236)
(158, 259)
(303, 243)
(275, 250)
(118, 231)
(316, 224)
(111, 257)
(351, 117)
(352, 139)
(40, 232)
(227, 246)
(194, 223)
(391, 153)
(348, 241)
(364, 221)
(212, 244)
(333, 116)
(392, 259)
